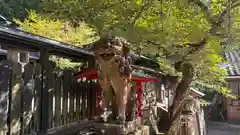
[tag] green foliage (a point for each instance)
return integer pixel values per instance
(64, 63)
(58, 30)
(169, 25)
(17, 8)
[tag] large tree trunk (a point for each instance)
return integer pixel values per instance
(175, 109)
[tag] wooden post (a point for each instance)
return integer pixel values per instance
(50, 82)
(5, 78)
(78, 97)
(44, 57)
(91, 99)
(66, 81)
(37, 95)
(84, 97)
(71, 100)
(15, 100)
(19, 58)
(57, 95)
(27, 98)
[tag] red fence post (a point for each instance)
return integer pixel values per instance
(139, 98)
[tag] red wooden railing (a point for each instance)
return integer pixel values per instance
(91, 73)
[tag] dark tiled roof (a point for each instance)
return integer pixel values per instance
(233, 66)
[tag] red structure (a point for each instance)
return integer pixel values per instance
(91, 74)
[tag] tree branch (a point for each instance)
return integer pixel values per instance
(138, 15)
(144, 5)
(215, 23)
(194, 47)
(158, 45)
(204, 9)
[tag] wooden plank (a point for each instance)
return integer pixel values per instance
(57, 95)
(27, 98)
(71, 98)
(74, 85)
(15, 99)
(94, 99)
(46, 69)
(66, 81)
(37, 90)
(50, 82)
(78, 97)
(81, 98)
(5, 77)
(89, 99)
(84, 98)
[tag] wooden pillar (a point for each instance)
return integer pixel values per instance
(91, 92)
(18, 58)
(44, 124)
(5, 78)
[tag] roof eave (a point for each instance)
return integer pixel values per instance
(31, 42)
(232, 77)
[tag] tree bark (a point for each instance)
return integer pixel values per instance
(175, 109)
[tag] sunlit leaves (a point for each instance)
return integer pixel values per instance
(217, 6)
(139, 2)
(59, 30)
(170, 24)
